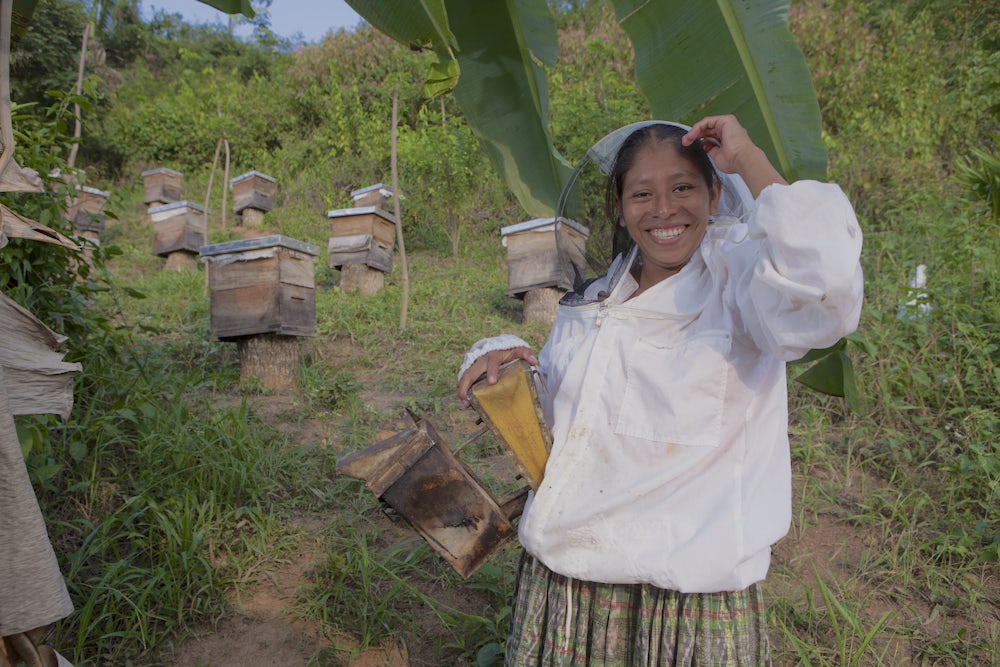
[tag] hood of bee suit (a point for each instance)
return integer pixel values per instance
(582, 201)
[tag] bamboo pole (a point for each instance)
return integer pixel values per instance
(399, 220)
(77, 130)
(225, 187)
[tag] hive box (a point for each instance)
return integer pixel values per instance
(363, 235)
(534, 259)
(261, 285)
(253, 190)
(161, 186)
(87, 210)
(178, 226)
(373, 195)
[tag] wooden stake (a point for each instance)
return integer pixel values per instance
(396, 196)
(225, 189)
(76, 107)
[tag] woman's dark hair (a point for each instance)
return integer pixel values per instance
(644, 136)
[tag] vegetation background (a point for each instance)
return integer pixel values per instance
(174, 492)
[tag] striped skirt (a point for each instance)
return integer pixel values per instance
(560, 621)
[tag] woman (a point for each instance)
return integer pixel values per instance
(669, 476)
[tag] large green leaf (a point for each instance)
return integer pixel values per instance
(414, 22)
(499, 48)
(832, 371)
(695, 58)
(232, 6)
(503, 93)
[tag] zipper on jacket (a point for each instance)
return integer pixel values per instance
(602, 312)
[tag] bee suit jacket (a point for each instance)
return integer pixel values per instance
(670, 461)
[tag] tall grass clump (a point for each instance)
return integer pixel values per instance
(152, 479)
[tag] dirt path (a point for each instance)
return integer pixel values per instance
(262, 628)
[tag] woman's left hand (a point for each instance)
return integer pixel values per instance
(733, 152)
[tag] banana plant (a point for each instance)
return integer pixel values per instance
(692, 58)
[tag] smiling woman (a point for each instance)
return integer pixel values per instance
(664, 385)
(298, 20)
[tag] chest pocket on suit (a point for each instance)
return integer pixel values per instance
(675, 392)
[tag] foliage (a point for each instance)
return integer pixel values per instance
(51, 281)
(45, 58)
(439, 161)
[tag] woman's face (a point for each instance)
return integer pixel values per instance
(665, 204)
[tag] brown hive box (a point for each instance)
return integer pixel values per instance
(379, 195)
(534, 259)
(261, 285)
(363, 235)
(416, 474)
(87, 209)
(178, 226)
(253, 190)
(163, 186)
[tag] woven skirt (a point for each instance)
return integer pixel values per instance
(560, 621)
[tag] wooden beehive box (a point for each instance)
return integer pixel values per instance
(261, 285)
(180, 226)
(364, 235)
(253, 190)
(162, 186)
(87, 209)
(374, 195)
(416, 474)
(534, 259)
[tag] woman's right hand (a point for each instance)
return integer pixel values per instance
(489, 364)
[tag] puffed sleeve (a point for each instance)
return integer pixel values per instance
(803, 287)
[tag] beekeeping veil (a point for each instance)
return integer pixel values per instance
(583, 201)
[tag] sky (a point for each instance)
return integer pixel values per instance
(310, 18)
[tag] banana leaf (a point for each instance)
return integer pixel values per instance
(491, 54)
(232, 7)
(693, 58)
(696, 59)
(831, 370)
